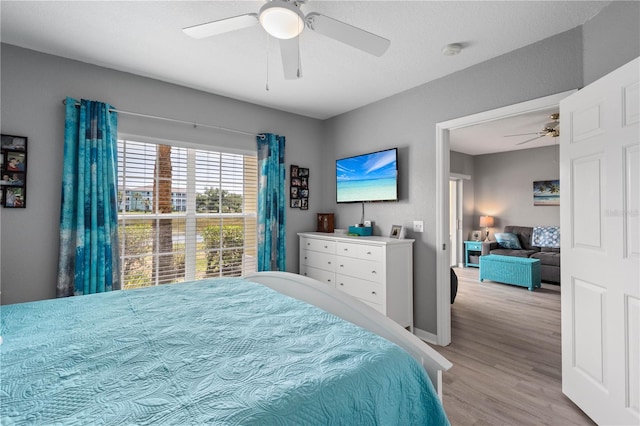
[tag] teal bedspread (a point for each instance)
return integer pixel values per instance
(224, 351)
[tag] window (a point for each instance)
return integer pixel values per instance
(184, 214)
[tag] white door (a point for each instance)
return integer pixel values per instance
(600, 245)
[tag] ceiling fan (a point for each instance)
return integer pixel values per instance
(551, 129)
(284, 20)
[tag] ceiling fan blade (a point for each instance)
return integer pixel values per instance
(222, 26)
(348, 34)
(290, 58)
(530, 140)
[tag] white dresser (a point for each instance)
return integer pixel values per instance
(376, 270)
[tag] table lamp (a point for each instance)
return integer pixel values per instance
(486, 222)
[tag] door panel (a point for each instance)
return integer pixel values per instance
(589, 315)
(632, 201)
(586, 192)
(633, 354)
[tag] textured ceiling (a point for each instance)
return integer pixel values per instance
(145, 38)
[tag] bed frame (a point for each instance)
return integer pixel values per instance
(352, 310)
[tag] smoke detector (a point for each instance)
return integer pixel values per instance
(452, 49)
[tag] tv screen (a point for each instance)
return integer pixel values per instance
(368, 177)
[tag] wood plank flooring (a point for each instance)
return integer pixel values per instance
(506, 356)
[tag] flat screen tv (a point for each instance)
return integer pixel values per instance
(368, 177)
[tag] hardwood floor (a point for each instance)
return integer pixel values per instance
(506, 357)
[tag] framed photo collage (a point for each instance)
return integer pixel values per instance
(13, 171)
(299, 188)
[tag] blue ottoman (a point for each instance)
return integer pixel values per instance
(521, 271)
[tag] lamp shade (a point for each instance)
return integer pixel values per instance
(281, 19)
(486, 221)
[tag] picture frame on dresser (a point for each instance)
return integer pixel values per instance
(476, 235)
(396, 231)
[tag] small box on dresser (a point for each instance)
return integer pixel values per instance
(376, 270)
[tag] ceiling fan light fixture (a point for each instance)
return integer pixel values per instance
(281, 19)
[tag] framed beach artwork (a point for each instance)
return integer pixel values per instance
(546, 193)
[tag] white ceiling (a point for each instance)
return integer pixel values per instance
(145, 38)
(493, 136)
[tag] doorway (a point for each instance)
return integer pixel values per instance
(456, 218)
(454, 221)
(443, 336)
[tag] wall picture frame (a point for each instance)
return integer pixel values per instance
(396, 232)
(546, 192)
(13, 171)
(298, 187)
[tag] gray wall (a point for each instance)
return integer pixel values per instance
(611, 39)
(408, 120)
(33, 87)
(503, 184)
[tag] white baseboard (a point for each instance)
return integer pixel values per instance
(425, 335)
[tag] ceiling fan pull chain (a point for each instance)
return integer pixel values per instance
(267, 85)
(299, 64)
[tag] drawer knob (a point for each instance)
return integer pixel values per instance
(368, 252)
(373, 272)
(329, 280)
(341, 283)
(305, 258)
(308, 244)
(346, 249)
(326, 247)
(342, 266)
(328, 263)
(374, 293)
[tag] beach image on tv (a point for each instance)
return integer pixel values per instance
(370, 177)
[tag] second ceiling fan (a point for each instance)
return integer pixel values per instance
(551, 129)
(284, 20)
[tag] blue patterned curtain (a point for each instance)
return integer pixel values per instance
(89, 261)
(271, 203)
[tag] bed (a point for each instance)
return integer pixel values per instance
(233, 351)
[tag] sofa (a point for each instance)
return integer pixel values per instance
(549, 257)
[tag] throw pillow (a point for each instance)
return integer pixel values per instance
(546, 236)
(508, 240)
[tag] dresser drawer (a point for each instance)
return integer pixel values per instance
(362, 289)
(370, 252)
(347, 249)
(474, 245)
(322, 246)
(319, 260)
(364, 269)
(379, 308)
(360, 251)
(321, 275)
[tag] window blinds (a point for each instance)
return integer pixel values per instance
(184, 214)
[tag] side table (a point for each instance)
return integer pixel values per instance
(472, 248)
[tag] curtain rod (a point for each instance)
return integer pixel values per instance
(173, 120)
